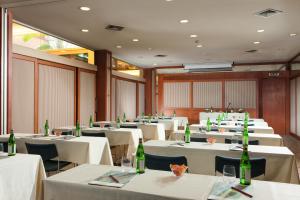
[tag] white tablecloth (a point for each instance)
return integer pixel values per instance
(154, 131)
(158, 185)
(264, 139)
(182, 121)
(232, 123)
(170, 124)
(280, 166)
(121, 136)
(256, 129)
(79, 150)
(21, 177)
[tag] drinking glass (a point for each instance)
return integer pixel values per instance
(229, 174)
(126, 163)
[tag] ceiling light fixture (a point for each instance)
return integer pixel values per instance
(84, 8)
(256, 42)
(119, 46)
(184, 21)
(193, 36)
(260, 30)
(150, 49)
(85, 30)
(154, 64)
(135, 40)
(293, 34)
(199, 45)
(169, 0)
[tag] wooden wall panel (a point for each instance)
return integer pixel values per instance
(273, 103)
(141, 98)
(293, 106)
(298, 106)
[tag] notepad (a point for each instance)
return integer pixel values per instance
(119, 179)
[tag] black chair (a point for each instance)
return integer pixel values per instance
(155, 121)
(250, 131)
(94, 134)
(223, 124)
(214, 129)
(107, 126)
(251, 142)
(232, 130)
(5, 146)
(67, 132)
(195, 139)
(163, 162)
(258, 165)
(136, 120)
(128, 126)
(48, 152)
(96, 125)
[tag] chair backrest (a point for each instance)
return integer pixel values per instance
(5, 146)
(154, 121)
(96, 125)
(94, 134)
(163, 162)
(46, 151)
(195, 139)
(251, 142)
(107, 126)
(250, 131)
(70, 132)
(258, 165)
(232, 130)
(128, 126)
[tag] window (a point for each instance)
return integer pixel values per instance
(28, 37)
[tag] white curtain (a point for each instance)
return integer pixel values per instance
(293, 105)
(177, 95)
(241, 94)
(126, 99)
(87, 97)
(22, 96)
(298, 105)
(141, 98)
(113, 99)
(207, 94)
(56, 96)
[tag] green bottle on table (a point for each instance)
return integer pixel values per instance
(143, 115)
(124, 118)
(219, 121)
(11, 150)
(187, 134)
(118, 122)
(46, 128)
(140, 158)
(77, 131)
(208, 125)
(245, 165)
(174, 113)
(91, 122)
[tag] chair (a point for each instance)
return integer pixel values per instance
(214, 129)
(194, 139)
(154, 122)
(67, 132)
(250, 131)
(136, 120)
(163, 162)
(96, 125)
(258, 165)
(107, 126)
(48, 152)
(5, 146)
(251, 142)
(128, 126)
(94, 134)
(232, 130)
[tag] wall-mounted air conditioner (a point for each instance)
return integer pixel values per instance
(208, 67)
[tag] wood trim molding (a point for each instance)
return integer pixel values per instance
(36, 97)
(9, 69)
(137, 95)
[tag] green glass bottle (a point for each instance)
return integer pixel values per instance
(118, 122)
(174, 113)
(187, 134)
(46, 128)
(11, 150)
(77, 131)
(208, 125)
(91, 122)
(163, 115)
(223, 116)
(245, 165)
(219, 121)
(143, 115)
(124, 118)
(140, 158)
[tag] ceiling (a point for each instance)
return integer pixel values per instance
(226, 29)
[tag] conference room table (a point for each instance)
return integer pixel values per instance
(154, 184)
(264, 139)
(120, 136)
(78, 150)
(227, 128)
(280, 161)
(21, 177)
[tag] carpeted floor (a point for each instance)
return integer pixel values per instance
(294, 145)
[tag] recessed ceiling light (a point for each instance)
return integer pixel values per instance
(119, 46)
(184, 21)
(260, 30)
(193, 36)
(293, 34)
(84, 8)
(154, 64)
(149, 49)
(199, 45)
(85, 30)
(256, 42)
(169, 0)
(135, 40)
